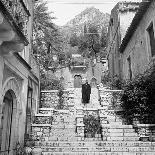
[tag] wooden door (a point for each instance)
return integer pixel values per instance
(6, 124)
(77, 81)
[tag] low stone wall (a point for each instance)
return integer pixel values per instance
(50, 99)
(110, 99)
(41, 132)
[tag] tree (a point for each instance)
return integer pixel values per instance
(90, 41)
(42, 19)
(47, 39)
(74, 40)
(103, 39)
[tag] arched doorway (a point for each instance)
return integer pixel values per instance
(6, 128)
(93, 82)
(77, 81)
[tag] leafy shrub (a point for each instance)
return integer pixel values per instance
(92, 125)
(138, 99)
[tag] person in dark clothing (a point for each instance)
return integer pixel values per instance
(86, 91)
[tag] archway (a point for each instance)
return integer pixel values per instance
(93, 82)
(77, 81)
(7, 121)
(10, 104)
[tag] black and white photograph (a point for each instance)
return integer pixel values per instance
(77, 77)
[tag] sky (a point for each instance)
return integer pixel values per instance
(65, 10)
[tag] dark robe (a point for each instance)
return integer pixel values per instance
(86, 91)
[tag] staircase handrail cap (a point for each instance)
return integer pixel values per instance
(110, 110)
(79, 116)
(111, 90)
(79, 108)
(46, 109)
(62, 111)
(103, 116)
(69, 89)
(49, 91)
(101, 108)
(145, 125)
(90, 109)
(42, 115)
(80, 124)
(40, 125)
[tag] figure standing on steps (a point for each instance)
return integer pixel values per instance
(86, 91)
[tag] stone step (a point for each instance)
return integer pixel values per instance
(95, 144)
(98, 153)
(98, 149)
(121, 134)
(74, 138)
(122, 138)
(121, 130)
(116, 126)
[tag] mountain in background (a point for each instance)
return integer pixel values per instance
(80, 25)
(88, 16)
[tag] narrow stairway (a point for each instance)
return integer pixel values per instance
(62, 132)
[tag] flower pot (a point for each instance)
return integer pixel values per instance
(36, 151)
(144, 139)
(145, 132)
(28, 150)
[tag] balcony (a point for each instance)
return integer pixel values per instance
(14, 18)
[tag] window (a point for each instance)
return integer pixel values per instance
(152, 38)
(129, 68)
(111, 22)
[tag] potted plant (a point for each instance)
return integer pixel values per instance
(61, 99)
(92, 126)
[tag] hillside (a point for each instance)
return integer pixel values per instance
(88, 16)
(81, 24)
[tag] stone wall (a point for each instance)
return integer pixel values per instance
(50, 99)
(119, 23)
(53, 125)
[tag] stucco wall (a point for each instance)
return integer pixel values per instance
(14, 76)
(118, 25)
(14, 72)
(138, 47)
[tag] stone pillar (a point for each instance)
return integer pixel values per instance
(71, 100)
(104, 122)
(79, 123)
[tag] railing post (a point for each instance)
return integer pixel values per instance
(79, 123)
(104, 122)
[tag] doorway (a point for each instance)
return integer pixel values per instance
(77, 81)
(6, 124)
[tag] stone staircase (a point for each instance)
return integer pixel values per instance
(61, 132)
